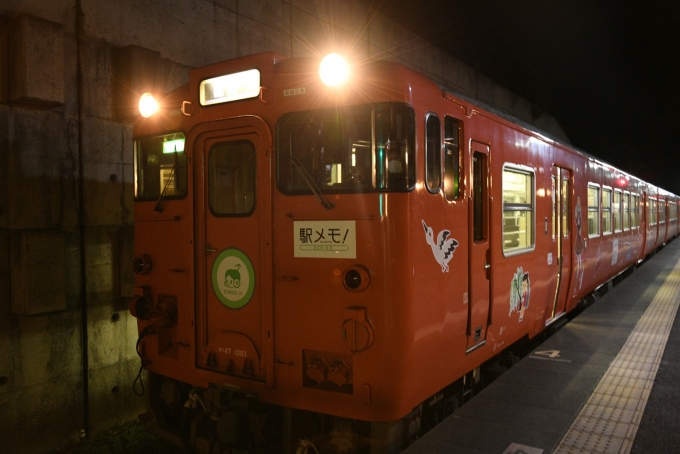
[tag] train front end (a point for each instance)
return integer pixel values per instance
(273, 289)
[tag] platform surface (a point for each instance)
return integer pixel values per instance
(606, 382)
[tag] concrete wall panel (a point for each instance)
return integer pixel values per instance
(45, 354)
(36, 62)
(260, 38)
(113, 399)
(52, 421)
(274, 14)
(313, 37)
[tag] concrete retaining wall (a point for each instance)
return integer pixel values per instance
(42, 190)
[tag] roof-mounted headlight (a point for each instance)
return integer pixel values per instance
(333, 70)
(147, 105)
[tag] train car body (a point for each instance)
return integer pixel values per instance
(354, 250)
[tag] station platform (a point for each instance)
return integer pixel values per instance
(606, 382)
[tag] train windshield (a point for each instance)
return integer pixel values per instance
(160, 168)
(348, 149)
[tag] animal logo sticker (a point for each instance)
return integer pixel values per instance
(443, 248)
(233, 278)
(520, 291)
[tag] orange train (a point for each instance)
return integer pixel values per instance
(329, 253)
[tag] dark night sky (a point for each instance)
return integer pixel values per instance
(609, 71)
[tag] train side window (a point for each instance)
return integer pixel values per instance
(673, 211)
(451, 158)
(160, 167)
(593, 210)
(566, 215)
(634, 211)
(231, 166)
(662, 211)
(554, 206)
(626, 210)
(518, 209)
(617, 210)
(652, 212)
(433, 153)
(606, 210)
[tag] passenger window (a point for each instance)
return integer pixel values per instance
(232, 178)
(451, 158)
(518, 209)
(606, 210)
(626, 211)
(617, 211)
(662, 211)
(593, 210)
(433, 154)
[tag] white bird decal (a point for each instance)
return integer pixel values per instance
(443, 248)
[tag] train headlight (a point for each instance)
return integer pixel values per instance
(333, 70)
(147, 105)
(356, 278)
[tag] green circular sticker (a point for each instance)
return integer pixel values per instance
(233, 278)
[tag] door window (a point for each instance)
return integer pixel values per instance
(231, 166)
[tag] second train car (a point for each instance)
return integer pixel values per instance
(324, 258)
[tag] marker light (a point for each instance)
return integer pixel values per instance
(147, 105)
(333, 70)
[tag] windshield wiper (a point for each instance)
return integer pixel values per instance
(309, 179)
(158, 206)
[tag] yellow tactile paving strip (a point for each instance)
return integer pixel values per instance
(610, 418)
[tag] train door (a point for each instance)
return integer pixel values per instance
(480, 258)
(560, 256)
(233, 220)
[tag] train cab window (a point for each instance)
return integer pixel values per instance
(606, 210)
(433, 153)
(354, 149)
(616, 210)
(160, 167)
(518, 209)
(451, 158)
(593, 210)
(626, 210)
(231, 166)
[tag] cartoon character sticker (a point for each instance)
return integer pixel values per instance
(520, 291)
(442, 249)
(233, 278)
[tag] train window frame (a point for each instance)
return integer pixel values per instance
(617, 210)
(635, 211)
(662, 210)
(433, 154)
(607, 224)
(211, 178)
(452, 166)
(672, 211)
(594, 228)
(374, 163)
(651, 210)
(162, 195)
(524, 208)
(626, 211)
